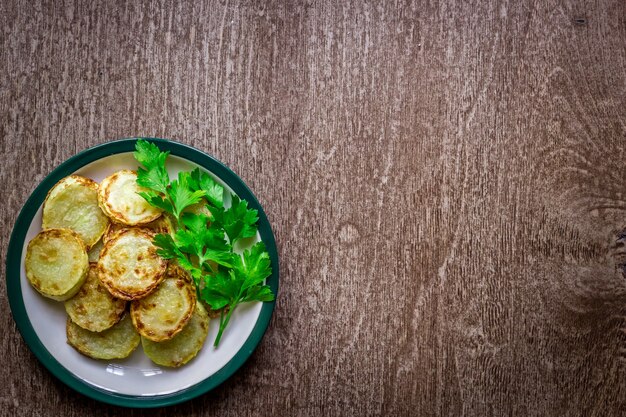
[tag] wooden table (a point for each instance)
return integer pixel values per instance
(446, 182)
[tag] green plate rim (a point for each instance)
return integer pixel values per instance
(13, 274)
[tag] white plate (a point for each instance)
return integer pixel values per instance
(136, 381)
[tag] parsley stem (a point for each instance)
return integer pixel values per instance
(223, 324)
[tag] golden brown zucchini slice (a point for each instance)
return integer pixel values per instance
(116, 342)
(56, 263)
(129, 266)
(183, 347)
(93, 307)
(165, 311)
(118, 198)
(73, 204)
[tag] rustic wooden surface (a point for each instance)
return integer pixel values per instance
(446, 182)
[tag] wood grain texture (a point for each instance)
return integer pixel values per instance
(446, 181)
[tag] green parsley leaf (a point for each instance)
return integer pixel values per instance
(155, 175)
(195, 222)
(222, 284)
(155, 199)
(254, 265)
(259, 293)
(167, 247)
(242, 284)
(238, 221)
(169, 250)
(213, 192)
(182, 195)
(172, 197)
(214, 299)
(207, 244)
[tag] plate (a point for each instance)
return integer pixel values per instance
(134, 381)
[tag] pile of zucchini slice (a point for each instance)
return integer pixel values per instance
(95, 253)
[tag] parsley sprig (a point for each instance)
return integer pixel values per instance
(203, 242)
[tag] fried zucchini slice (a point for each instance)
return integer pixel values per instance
(94, 252)
(73, 204)
(93, 307)
(165, 311)
(183, 347)
(161, 225)
(118, 198)
(129, 266)
(56, 263)
(116, 342)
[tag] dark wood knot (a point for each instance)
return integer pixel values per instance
(619, 252)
